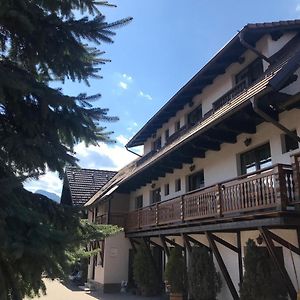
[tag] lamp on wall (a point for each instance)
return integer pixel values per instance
(191, 103)
(192, 168)
(153, 185)
(259, 239)
(247, 142)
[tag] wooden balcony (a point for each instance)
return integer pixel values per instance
(264, 191)
(115, 218)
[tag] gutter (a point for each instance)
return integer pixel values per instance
(267, 118)
(250, 47)
(126, 147)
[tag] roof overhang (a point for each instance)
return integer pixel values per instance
(229, 54)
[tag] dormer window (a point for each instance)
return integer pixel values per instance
(156, 145)
(251, 73)
(194, 116)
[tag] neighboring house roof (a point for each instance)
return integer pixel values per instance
(81, 184)
(286, 62)
(216, 66)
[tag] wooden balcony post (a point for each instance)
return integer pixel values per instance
(219, 199)
(139, 218)
(182, 208)
(296, 175)
(156, 214)
(280, 188)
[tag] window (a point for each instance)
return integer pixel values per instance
(288, 143)
(177, 185)
(177, 125)
(139, 202)
(155, 196)
(156, 144)
(167, 134)
(196, 181)
(167, 189)
(195, 116)
(256, 159)
(251, 73)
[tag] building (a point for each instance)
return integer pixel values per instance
(220, 165)
(80, 185)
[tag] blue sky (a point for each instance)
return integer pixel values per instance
(167, 42)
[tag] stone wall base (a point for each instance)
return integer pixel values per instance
(105, 288)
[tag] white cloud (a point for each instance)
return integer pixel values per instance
(135, 124)
(105, 156)
(123, 85)
(147, 96)
(122, 139)
(298, 8)
(127, 77)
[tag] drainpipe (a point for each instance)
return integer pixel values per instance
(132, 152)
(248, 46)
(267, 118)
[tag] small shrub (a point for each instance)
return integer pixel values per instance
(204, 280)
(175, 271)
(261, 278)
(144, 273)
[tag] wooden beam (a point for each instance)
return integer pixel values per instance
(225, 243)
(166, 249)
(239, 126)
(221, 136)
(156, 245)
(222, 266)
(281, 268)
(198, 243)
(173, 243)
(133, 245)
(240, 259)
(283, 242)
(187, 242)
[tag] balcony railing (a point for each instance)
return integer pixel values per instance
(270, 189)
(115, 218)
(235, 91)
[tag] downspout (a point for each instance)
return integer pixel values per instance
(267, 118)
(132, 151)
(248, 46)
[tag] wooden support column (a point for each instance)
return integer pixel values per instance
(156, 245)
(222, 266)
(281, 268)
(147, 244)
(133, 245)
(166, 249)
(187, 243)
(173, 243)
(240, 260)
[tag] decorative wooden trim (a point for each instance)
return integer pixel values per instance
(240, 260)
(282, 270)
(222, 266)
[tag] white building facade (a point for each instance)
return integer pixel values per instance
(220, 166)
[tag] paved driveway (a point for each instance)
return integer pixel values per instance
(58, 291)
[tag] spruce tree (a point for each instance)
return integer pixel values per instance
(204, 281)
(261, 280)
(43, 41)
(144, 272)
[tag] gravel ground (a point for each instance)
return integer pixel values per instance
(58, 291)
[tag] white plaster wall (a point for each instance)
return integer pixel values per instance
(116, 258)
(223, 165)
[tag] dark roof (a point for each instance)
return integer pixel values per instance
(230, 53)
(82, 184)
